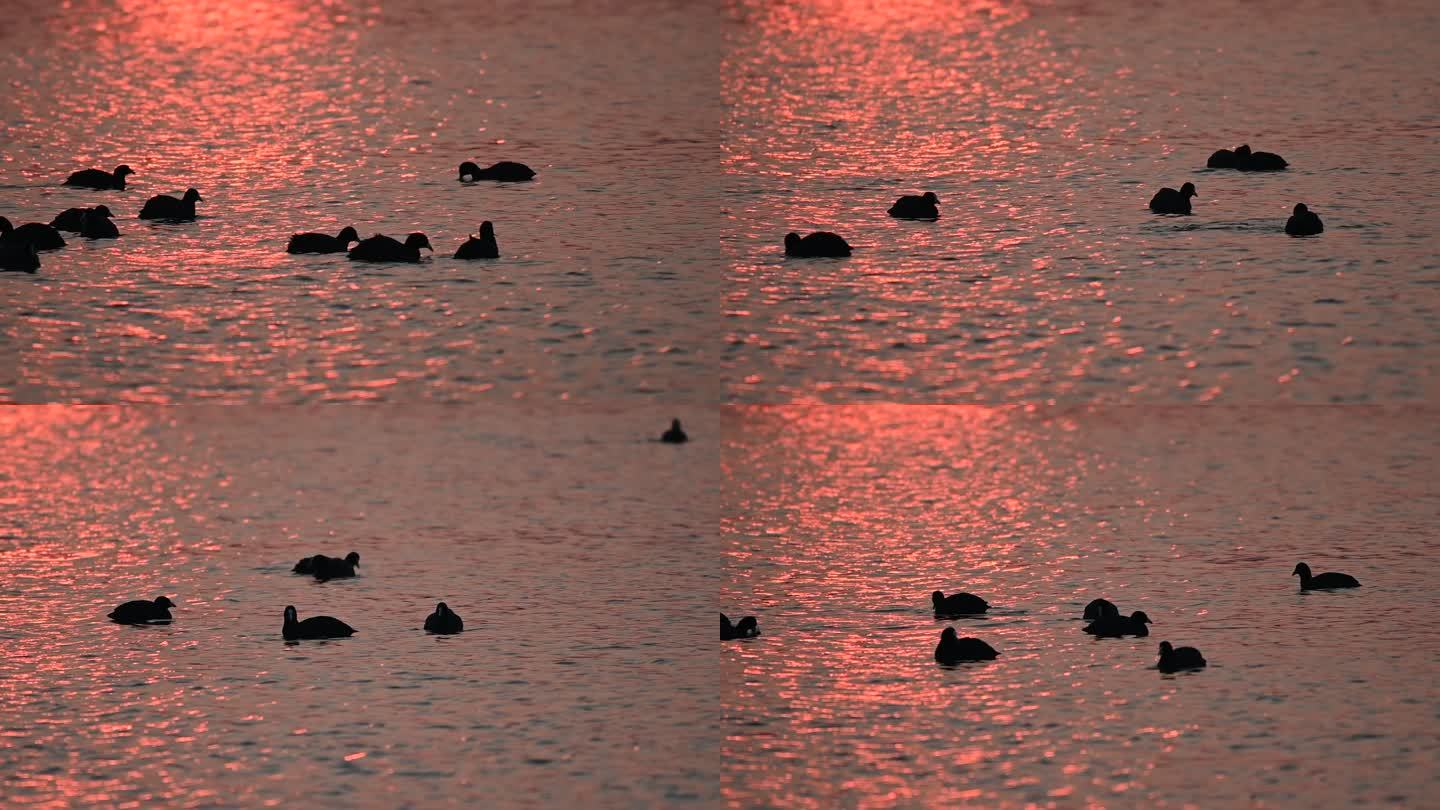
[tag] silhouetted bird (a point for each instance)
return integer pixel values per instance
(19, 257)
(162, 206)
(505, 172)
(1169, 201)
(816, 245)
(674, 435)
(952, 650)
(324, 568)
(1246, 161)
(96, 224)
(314, 627)
(381, 248)
(443, 620)
(1304, 222)
(95, 178)
(1173, 660)
(143, 611)
(1329, 579)
(70, 218)
(309, 565)
(322, 242)
(957, 604)
(913, 206)
(37, 234)
(1117, 626)
(1101, 608)
(483, 248)
(745, 628)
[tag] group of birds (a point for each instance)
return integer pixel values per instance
(20, 246)
(443, 621)
(1303, 221)
(1106, 621)
(324, 568)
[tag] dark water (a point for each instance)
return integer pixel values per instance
(1044, 128)
(293, 117)
(573, 546)
(840, 521)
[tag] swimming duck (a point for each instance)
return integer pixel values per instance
(1304, 222)
(314, 627)
(1117, 625)
(95, 178)
(443, 620)
(1329, 579)
(1174, 660)
(37, 234)
(911, 206)
(957, 604)
(162, 206)
(745, 628)
(324, 568)
(309, 565)
(505, 172)
(19, 257)
(1101, 608)
(322, 242)
(953, 650)
(142, 611)
(381, 248)
(70, 218)
(1246, 161)
(818, 244)
(96, 224)
(674, 435)
(1170, 201)
(483, 248)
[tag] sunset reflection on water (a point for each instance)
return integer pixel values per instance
(840, 521)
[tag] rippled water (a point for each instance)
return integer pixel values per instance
(840, 520)
(291, 116)
(1045, 128)
(569, 542)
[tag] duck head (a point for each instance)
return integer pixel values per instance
(1188, 190)
(102, 210)
(441, 609)
(1242, 151)
(1139, 617)
(1300, 209)
(792, 241)
(487, 230)
(122, 170)
(1165, 649)
(5, 226)
(290, 615)
(930, 197)
(192, 196)
(1301, 569)
(348, 234)
(164, 602)
(418, 240)
(948, 635)
(353, 558)
(468, 169)
(748, 626)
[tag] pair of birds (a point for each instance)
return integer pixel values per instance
(157, 611)
(1302, 221)
(323, 567)
(91, 223)
(381, 248)
(158, 207)
(20, 247)
(1107, 622)
(824, 244)
(955, 650)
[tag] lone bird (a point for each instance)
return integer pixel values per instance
(1246, 161)
(1304, 222)
(505, 171)
(142, 611)
(322, 242)
(1173, 660)
(313, 627)
(483, 248)
(162, 206)
(912, 206)
(1101, 608)
(819, 244)
(1169, 201)
(674, 435)
(1117, 626)
(745, 628)
(957, 604)
(37, 234)
(319, 562)
(953, 650)
(96, 224)
(381, 248)
(19, 257)
(96, 178)
(70, 219)
(1327, 580)
(443, 620)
